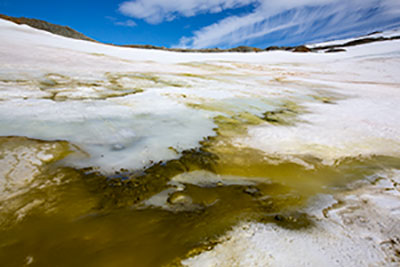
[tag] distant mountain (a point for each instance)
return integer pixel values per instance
(49, 27)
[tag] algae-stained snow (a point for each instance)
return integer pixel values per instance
(308, 145)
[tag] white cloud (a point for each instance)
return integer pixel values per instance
(157, 11)
(297, 21)
(127, 23)
(290, 20)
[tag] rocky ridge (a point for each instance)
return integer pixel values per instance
(49, 27)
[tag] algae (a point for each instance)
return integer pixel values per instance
(208, 66)
(146, 79)
(62, 88)
(95, 220)
(281, 116)
(192, 75)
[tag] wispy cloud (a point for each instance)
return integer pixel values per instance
(285, 20)
(157, 11)
(126, 23)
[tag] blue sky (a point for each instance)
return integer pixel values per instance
(213, 23)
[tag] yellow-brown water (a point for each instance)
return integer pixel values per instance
(87, 219)
(62, 216)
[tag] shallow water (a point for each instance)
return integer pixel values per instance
(161, 214)
(68, 198)
(112, 196)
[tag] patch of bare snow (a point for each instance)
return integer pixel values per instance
(359, 227)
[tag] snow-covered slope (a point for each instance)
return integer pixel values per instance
(128, 108)
(386, 34)
(38, 66)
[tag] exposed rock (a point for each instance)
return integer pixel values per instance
(375, 32)
(356, 42)
(244, 49)
(302, 49)
(280, 48)
(145, 46)
(363, 41)
(273, 48)
(335, 50)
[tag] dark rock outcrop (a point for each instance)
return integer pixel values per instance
(301, 49)
(273, 48)
(279, 48)
(335, 50)
(244, 49)
(356, 42)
